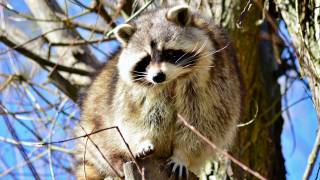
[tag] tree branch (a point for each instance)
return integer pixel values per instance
(99, 9)
(78, 56)
(12, 37)
(20, 146)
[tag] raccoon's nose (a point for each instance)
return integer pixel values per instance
(159, 77)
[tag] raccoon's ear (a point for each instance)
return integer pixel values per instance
(180, 15)
(123, 33)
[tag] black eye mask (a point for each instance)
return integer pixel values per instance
(178, 57)
(141, 67)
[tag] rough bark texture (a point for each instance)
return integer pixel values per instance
(257, 144)
(303, 21)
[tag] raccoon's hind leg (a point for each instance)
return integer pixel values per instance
(86, 171)
(96, 169)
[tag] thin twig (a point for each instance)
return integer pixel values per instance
(38, 58)
(253, 119)
(312, 158)
(214, 147)
(33, 144)
(31, 18)
(101, 153)
(84, 157)
(78, 137)
(94, 132)
(29, 161)
(82, 42)
(244, 13)
(133, 16)
(30, 40)
(99, 9)
(20, 147)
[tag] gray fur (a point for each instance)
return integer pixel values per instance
(207, 94)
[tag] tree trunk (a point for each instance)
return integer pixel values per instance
(302, 19)
(258, 144)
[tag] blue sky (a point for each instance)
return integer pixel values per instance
(300, 126)
(303, 115)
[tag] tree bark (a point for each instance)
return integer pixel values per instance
(303, 22)
(258, 144)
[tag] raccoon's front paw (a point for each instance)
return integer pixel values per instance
(145, 149)
(176, 169)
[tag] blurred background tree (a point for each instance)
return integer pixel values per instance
(51, 50)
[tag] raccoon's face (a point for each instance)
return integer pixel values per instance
(162, 46)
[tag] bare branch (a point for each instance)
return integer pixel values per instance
(31, 160)
(79, 55)
(99, 9)
(35, 144)
(13, 37)
(312, 158)
(17, 37)
(20, 147)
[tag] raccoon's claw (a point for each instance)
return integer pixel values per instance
(146, 149)
(179, 171)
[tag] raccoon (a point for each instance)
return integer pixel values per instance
(172, 61)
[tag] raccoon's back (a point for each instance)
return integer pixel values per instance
(99, 97)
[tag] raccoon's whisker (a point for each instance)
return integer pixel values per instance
(184, 67)
(138, 79)
(202, 67)
(190, 60)
(194, 57)
(181, 57)
(189, 63)
(186, 53)
(215, 51)
(144, 83)
(140, 72)
(140, 75)
(201, 48)
(206, 54)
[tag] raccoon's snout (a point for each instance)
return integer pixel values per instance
(159, 77)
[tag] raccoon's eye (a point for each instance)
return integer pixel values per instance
(142, 65)
(174, 56)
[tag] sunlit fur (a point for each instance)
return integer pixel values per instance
(208, 94)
